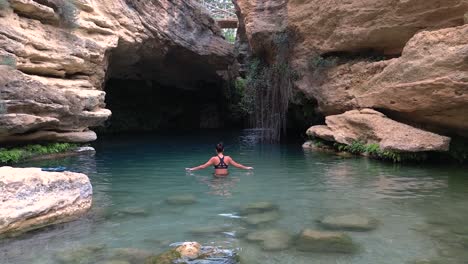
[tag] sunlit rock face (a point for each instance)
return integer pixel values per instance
(32, 198)
(372, 127)
(405, 58)
(58, 62)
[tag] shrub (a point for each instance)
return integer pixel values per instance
(68, 13)
(4, 4)
(17, 154)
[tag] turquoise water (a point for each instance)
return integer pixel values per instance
(422, 209)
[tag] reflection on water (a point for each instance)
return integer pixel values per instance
(220, 186)
(421, 209)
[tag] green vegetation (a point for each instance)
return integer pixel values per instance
(8, 60)
(318, 64)
(372, 150)
(4, 4)
(230, 34)
(68, 13)
(266, 91)
(14, 155)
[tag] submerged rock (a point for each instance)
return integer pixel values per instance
(84, 255)
(133, 211)
(271, 239)
(194, 253)
(262, 218)
(189, 250)
(31, 198)
(352, 222)
(324, 241)
(133, 255)
(167, 257)
(184, 199)
(258, 207)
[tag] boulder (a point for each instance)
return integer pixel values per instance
(262, 218)
(183, 199)
(324, 241)
(351, 222)
(193, 252)
(369, 126)
(258, 207)
(271, 239)
(189, 250)
(32, 198)
(59, 62)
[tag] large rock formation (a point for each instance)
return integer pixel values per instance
(407, 59)
(63, 52)
(371, 127)
(31, 198)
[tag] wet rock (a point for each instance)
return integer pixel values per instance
(258, 207)
(262, 218)
(189, 250)
(184, 199)
(271, 239)
(31, 198)
(133, 255)
(194, 253)
(167, 257)
(324, 241)
(351, 222)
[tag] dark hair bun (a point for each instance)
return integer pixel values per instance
(220, 147)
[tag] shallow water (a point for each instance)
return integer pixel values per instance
(421, 208)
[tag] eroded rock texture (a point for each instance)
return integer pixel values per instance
(63, 52)
(371, 127)
(31, 198)
(407, 59)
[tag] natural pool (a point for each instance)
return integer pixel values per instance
(422, 209)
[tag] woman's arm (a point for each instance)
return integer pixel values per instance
(207, 164)
(237, 165)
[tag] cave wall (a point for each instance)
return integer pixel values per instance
(407, 59)
(57, 54)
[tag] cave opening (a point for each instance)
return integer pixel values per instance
(147, 105)
(173, 89)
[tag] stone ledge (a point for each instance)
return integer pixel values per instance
(32, 198)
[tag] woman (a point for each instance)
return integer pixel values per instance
(220, 163)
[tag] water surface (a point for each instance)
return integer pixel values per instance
(421, 208)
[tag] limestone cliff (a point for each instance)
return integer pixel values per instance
(407, 58)
(57, 55)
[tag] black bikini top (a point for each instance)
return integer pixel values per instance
(221, 164)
